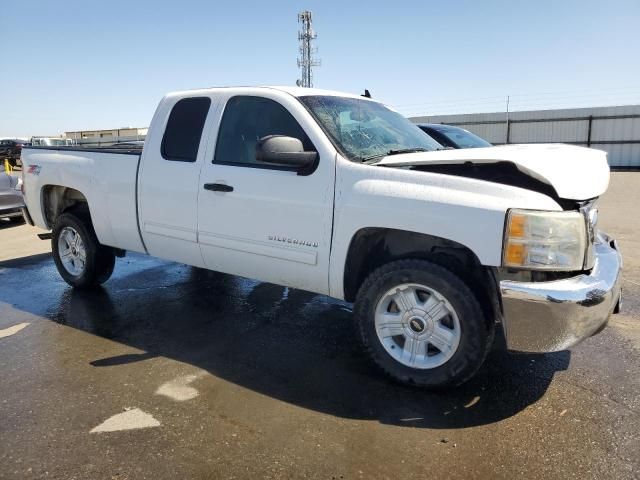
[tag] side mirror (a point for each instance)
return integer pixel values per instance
(285, 152)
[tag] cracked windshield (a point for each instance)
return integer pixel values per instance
(364, 130)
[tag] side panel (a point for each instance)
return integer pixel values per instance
(168, 192)
(470, 212)
(107, 180)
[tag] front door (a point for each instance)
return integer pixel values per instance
(261, 221)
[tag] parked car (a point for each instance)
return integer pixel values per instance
(453, 137)
(339, 195)
(11, 201)
(11, 149)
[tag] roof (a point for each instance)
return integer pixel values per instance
(295, 91)
(304, 92)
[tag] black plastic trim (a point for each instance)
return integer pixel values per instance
(257, 165)
(218, 187)
(122, 151)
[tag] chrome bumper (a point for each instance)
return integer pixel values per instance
(553, 316)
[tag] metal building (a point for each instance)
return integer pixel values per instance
(107, 137)
(615, 130)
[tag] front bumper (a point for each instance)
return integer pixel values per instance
(553, 316)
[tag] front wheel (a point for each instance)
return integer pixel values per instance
(80, 259)
(422, 325)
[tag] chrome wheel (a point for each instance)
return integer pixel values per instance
(72, 251)
(417, 326)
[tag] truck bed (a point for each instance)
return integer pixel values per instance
(106, 177)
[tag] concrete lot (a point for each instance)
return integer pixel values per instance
(236, 379)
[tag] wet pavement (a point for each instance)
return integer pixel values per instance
(175, 372)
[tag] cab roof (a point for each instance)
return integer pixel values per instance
(294, 91)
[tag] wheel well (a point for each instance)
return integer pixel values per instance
(57, 199)
(373, 247)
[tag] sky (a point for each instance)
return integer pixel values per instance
(81, 65)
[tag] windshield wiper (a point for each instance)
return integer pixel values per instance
(370, 158)
(406, 150)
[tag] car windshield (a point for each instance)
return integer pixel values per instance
(463, 138)
(364, 130)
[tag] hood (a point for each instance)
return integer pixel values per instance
(575, 173)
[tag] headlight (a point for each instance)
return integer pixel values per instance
(544, 240)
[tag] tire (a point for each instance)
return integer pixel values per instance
(439, 350)
(99, 260)
(17, 220)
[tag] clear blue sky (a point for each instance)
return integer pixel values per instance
(80, 64)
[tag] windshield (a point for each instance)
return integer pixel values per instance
(364, 130)
(463, 138)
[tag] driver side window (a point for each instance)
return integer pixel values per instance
(246, 120)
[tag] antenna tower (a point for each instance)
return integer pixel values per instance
(306, 61)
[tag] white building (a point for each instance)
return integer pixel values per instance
(107, 137)
(615, 130)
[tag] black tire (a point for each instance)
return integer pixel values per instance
(476, 333)
(17, 220)
(100, 260)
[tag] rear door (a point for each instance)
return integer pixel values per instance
(270, 223)
(168, 187)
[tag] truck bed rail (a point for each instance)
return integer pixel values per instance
(78, 148)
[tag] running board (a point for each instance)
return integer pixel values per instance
(45, 236)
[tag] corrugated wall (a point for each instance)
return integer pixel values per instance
(618, 136)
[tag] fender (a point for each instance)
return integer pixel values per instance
(466, 211)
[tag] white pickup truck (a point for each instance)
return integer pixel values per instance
(337, 194)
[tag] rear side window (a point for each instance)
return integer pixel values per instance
(245, 121)
(184, 129)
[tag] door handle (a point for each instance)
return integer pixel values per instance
(218, 187)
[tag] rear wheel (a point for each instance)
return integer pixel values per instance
(422, 325)
(81, 260)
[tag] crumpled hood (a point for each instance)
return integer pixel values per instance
(576, 173)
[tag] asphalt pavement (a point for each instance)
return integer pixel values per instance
(175, 372)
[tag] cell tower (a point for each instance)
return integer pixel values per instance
(306, 61)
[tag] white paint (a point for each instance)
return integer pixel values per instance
(7, 332)
(576, 173)
(127, 420)
(178, 389)
(229, 232)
